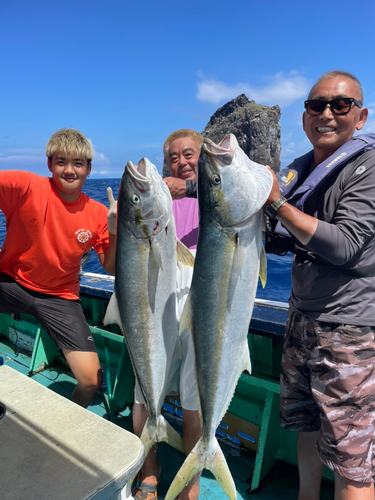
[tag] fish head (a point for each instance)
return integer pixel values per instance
(231, 187)
(144, 200)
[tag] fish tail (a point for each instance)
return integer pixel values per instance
(197, 460)
(158, 431)
(194, 463)
(149, 436)
(217, 464)
(169, 435)
(148, 439)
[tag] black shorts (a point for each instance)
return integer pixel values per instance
(62, 319)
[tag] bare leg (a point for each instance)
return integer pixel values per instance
(88, 373)
(191, 432)
(352, 490)
(310, 466)
(149, 469)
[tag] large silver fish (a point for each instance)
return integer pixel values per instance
(229, 258)
(144, 301)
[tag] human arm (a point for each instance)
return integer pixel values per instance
(345, 235)
(180, 189)
(14, 184)
(346, 214)
(177, 187)
(300, 225)
(108, 258)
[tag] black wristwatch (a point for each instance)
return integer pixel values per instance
(272, 209)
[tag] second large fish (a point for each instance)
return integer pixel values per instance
(229, 258)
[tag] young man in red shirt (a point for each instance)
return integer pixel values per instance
(50, 224)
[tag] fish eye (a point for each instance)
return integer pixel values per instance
(216, 179)
(135, 199)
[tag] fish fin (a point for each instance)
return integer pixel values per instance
(163, 431)
(239, 255)
(155, 250)
(184, 255)
(217, 464)
(263, 267)
(194, 463)
(112, 315)
(186, 316)
(246, 361)
(178, 349)
(169, 435)
(197, 460)
(148, 439)
(148, 436)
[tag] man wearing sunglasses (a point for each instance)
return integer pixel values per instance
(327, 386)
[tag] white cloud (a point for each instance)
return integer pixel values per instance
(282, 89)
(22, 156)
(369, 127)
(159, 159)
(35, 160)
(100, 163)
(291, 149)
(371, 109)
(288, 150)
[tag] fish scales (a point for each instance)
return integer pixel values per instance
(231, 193)
(141, 309)
(144, 302)
(220, 339)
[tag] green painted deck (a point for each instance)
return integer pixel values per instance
(280, 483)
(261, 455)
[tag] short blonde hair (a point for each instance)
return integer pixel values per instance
(71, 142)
(178, 134)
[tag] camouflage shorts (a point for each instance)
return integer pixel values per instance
(328, 384)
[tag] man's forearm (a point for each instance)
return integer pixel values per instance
(302, 226)
(177, 187)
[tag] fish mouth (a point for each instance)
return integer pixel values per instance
(223, 152)
(139, 176)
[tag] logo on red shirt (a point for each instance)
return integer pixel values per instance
(83, 235)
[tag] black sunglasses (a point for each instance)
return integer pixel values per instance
(340, 106)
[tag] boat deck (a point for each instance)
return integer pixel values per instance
(255, 399)
(281, 483)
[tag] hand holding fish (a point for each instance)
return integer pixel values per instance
(111, 217)
(177, 187)
(275, 190)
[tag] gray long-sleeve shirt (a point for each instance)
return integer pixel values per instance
(344, 237)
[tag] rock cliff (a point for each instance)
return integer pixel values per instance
(256, 127)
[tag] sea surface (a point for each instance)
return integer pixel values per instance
(278, 268)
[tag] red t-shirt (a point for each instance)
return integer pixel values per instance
(47, 236)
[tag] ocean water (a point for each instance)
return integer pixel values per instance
(278, 268)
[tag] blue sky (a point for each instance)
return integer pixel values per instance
(127, 73)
